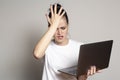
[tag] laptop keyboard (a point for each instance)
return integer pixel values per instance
(73, 71)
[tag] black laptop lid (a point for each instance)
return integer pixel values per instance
(97, 54)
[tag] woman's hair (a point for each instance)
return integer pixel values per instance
(58, 8)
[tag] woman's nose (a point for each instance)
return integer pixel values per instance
(59, 31)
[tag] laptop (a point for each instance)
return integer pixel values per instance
(91, 54)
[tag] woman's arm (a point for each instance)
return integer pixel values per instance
(44, 42)
(41, 46)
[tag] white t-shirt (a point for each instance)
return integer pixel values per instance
(58, 57)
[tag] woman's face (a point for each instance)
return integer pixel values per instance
(60, 35)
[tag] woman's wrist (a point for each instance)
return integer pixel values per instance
(82, 77)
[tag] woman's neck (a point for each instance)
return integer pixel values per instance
(65, 42)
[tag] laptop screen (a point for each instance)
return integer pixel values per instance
(94, 54)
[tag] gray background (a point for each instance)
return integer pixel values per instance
(23, 22)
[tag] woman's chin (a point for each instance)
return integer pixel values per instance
(61, 41)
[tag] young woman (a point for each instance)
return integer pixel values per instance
(58, 49)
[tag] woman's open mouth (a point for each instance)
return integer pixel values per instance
(60, 37)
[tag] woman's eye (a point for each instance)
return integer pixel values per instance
(63, 28)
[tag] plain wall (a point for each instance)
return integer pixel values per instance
(23, 22)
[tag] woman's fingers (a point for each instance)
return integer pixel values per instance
(99, 71)
(63, 13)
(51, 9)
(60, 11)
(55, 9)
(92, 70)
(88, 72)
(55, 16)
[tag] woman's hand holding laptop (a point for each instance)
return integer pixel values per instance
(91, 71)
